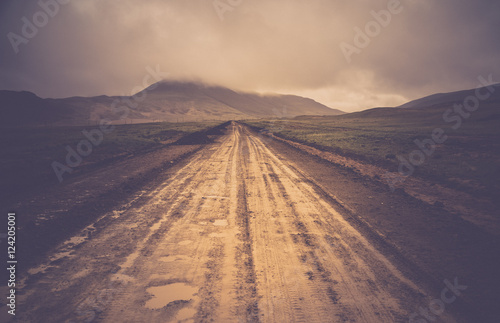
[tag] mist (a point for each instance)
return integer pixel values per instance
(96, 47)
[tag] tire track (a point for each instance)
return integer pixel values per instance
(237, 234)
(344, 278)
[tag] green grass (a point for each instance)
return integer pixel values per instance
(468, 160)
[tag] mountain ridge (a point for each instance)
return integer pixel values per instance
(450, 98)
(169, 101)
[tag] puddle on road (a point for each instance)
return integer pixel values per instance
(39, 269)
(76, 240)
(220, 223)
(156, 226)
(60, 255)
(116, 214)
(81, 273)
(163, 295)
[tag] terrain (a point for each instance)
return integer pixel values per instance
(29, 152)
(278, 219)
(245, 227)
(168, 101)
(395, 146)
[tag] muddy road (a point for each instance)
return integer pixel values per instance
(236, 234)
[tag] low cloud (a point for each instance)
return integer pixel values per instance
(97, 47)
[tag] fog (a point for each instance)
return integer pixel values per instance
(405, 50)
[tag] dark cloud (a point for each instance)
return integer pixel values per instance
(103, 47)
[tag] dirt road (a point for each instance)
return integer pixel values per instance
(237, 234)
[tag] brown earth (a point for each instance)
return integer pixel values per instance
(250, 229)
(480, 211)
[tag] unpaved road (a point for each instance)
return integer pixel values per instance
(237, 234)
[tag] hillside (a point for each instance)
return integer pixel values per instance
(450, 98)
(163, 101)
(437, 109)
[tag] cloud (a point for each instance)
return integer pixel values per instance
(97, 47)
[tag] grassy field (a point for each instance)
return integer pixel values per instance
(28, 153)
(468, 159)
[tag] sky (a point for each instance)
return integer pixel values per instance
(347, 54)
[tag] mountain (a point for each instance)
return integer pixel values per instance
(451, 98)
(195, 100)
(434, 108)
(162, 101)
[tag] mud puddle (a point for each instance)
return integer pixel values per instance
(163, 295)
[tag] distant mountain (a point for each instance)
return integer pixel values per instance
(163, 101)
(451, 98)
(432, 108)
(195, 100)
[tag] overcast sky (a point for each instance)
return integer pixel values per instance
(93, 47)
